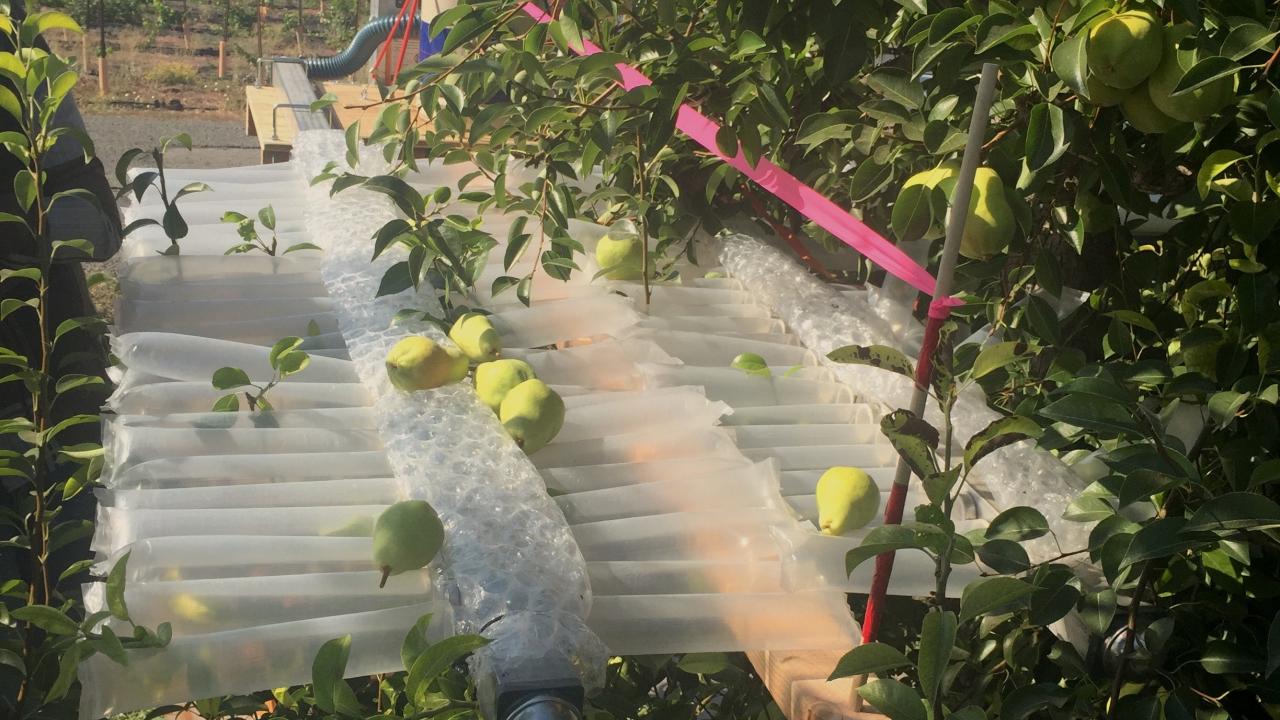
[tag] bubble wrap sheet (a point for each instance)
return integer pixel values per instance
(511, 566)
(823, 319)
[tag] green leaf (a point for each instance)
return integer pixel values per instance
(915, 211)
(1213, 166)
(998, 29)
(10, 104)
(1026, 701)
(1018, 524)
(1097, 610)
(227, 403)
(108, 644)
(1225, 405)
(1246, 39)
(9, 658)
(704, 663)
(1046, 136)
(1091, 413)
(880, 356)
(896, 85)
(989, 594)
(867, 179)
(869, 658)
(915, 440)
(67, 666)
(821, 127)
(49, 619)
(1056, 594)
(727, 141)
(415, 641)
(895, 700)
(1000, 433)
(1235, 511)
(1157, 540)
(226, 378)
(1004, 556)
(328, 670)
(996, 356)
(24, 189)
(441, 656)
(949, 22)
(292, 362)
(405, 197)
(67, 383)
(175, 227)
(1223, 657)
(937, 639)
(1205, 72)
(883, 539)
(115, 588)
(43, 22)
(751, 364)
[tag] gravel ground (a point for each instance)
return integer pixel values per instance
(215, 143)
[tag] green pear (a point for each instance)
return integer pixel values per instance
(495, 379)
(847, 499)
(1144, 115)
(622, 255)
(532, 414)
(1124, 48)
(406, 536)
(1191, 106)
(1102, 94)
(476, 337)
(988, 227)
(420, 363)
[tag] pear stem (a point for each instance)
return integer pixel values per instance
(386, 573)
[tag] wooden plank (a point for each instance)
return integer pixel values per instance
(259, 105)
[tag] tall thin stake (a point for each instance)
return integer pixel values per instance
(924, 365)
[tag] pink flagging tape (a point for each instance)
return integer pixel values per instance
(786, 187)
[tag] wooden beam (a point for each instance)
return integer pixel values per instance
(798, 682)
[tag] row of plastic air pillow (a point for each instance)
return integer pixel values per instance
(688, 493)
(1019, 474)
(229, 625)
(802, 452)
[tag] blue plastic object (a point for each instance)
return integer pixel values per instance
(428, 45)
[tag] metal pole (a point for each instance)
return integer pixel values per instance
(924, 365)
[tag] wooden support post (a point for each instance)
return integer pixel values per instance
(222, 59)
(102, 47)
